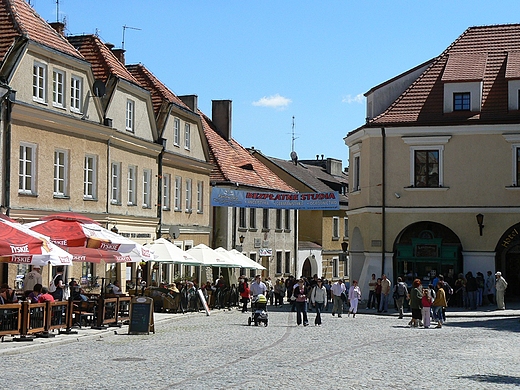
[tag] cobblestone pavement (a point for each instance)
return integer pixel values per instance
(195, 351)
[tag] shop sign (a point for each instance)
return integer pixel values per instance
(510, 238)
(266, 252)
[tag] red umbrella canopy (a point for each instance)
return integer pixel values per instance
(93, 255)
(63, 232)
(69, 217)
(14, 241)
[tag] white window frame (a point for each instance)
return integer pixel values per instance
(355, 150)
(252, 218)
(200, 196)
(474, 88)
(177, 196)
(27, 169)
(279, 219)
(287, 261)
(279, 262)
(287, 220)
(335, 228)
(147, 188)
(61, 172)
(335, 267)
(345, 227)
(166, 198)
(188, 193)
(39, 82)
(90, 177)
(426, 143)
(187, 136)
(76, 93)
(115, 183)
(130, 115)
(176, 131)
(58, 88)
(132, 185)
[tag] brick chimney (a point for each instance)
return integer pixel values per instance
(120, 55)
(59, 27)
(190, 101)
(221, 117)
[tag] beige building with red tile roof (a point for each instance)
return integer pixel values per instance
(267, 234)
(440, 147)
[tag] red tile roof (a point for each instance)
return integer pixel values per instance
(17, 18)
(479, 53)
(104, 62)
(233, 163)
(158, 90)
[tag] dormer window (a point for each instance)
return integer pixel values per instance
(461, 101)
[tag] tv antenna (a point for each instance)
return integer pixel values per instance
(57, 10)
(124, 29)
(293, 138)
(294, 156)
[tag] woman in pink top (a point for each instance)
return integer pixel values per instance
(426, 302)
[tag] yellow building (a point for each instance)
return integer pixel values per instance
(435, 170)
(322, 234)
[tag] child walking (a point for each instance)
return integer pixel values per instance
(426, 302)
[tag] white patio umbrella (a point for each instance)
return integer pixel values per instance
(167, 252)
(243, 260)
(211, 258)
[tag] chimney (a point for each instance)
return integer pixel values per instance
(190, 101)
(59, 27)
(120, 55)
(221, 117)
(334, 167)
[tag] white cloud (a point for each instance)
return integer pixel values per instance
(273, 101)
(353, 99)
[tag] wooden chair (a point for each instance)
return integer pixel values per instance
(84, 313)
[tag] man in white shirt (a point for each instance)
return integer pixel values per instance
(31, 278)
(257, 287)
(337, 289)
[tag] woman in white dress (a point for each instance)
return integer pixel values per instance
(354, 295)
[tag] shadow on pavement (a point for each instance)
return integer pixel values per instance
(504, 324)
(502, 379)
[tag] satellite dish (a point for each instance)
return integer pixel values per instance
(294, 157)
(99, 88)
(174, 232)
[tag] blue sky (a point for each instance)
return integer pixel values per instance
(276, 59)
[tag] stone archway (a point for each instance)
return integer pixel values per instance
(426, 249)
(307, 268)
(507, 260)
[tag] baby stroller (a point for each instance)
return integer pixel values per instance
(258, 310)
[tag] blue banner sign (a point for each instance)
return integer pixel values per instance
(275, 200)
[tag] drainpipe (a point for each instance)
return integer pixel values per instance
(296, 243)
(383, 203)
(109, 175)
(160, 188)
(7, 153)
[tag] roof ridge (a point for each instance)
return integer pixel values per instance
(435, 61)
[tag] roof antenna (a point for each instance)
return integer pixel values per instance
(124, 29)
(294, 156)
(57, 10)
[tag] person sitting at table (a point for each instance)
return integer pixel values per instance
(8, 294)
(77, 292)
(35, 293)
(116, 288)
(45, 296)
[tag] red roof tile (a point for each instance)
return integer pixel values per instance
(513, 65)
(104, 62)
(17, 18)
(422, 102)
(234, 164)
(158, 90)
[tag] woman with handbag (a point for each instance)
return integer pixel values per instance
(415, 303)
(318, 300)
(301, 292)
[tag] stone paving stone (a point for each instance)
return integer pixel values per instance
(221, 352)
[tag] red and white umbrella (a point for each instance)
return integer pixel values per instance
(75, 230)
(20, 245)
